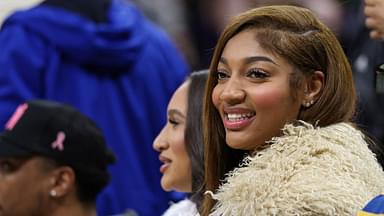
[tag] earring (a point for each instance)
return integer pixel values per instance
(53, 193)
(309, 103)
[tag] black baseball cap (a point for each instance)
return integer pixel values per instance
(59, 132)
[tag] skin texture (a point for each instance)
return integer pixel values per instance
(170, 143)
(26, 185)
(23, 187)
(255, 84)
(373, 10)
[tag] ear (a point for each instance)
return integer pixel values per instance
(62, 182)
(313, 87)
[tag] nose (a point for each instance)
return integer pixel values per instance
(233, 92)
(160, 144)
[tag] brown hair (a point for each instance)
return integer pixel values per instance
(296, 35)
(194, 133)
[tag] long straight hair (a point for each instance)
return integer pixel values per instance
(296, 35)
(194, 133)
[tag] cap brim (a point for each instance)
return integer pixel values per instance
(9, 149)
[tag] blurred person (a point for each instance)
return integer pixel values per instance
(106, 59)
(53, 162)
(180, 144)
(366, 57)
(278, 131)
(373, 10)
(172, 16)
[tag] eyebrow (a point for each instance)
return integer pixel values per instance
(175, 112)
(251, 59)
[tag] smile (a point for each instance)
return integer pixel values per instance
(238, 117)
(238, 121)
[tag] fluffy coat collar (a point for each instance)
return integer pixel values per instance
(307, 171)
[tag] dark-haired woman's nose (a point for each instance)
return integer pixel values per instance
(160, 144)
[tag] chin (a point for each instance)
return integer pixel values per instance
(239, 145)
(165, 185)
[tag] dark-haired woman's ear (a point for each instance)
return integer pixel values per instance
(313, 88)
(62, 182)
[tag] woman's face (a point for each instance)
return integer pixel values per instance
(253, 95)
(176, 168)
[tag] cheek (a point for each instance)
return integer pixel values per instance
(269, 97)
(179, 145)
(216, 96)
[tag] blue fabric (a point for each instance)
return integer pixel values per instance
(376, 205)
(121, 74)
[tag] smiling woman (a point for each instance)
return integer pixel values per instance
(278, 133)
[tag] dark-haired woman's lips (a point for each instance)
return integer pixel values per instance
(166, 163)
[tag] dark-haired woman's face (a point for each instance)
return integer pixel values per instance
(253, 93)
(176, 167)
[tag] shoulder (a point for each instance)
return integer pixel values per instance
(182, 208)
(325, 171)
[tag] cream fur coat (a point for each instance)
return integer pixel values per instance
(307, 171)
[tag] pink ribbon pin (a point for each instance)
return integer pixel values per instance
(59, 142)
(16, 116)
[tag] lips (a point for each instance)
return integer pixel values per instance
(237, 118)
(166, 163)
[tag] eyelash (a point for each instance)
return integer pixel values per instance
(220, 73)
(257, 73)
(173, 122)
(253, 73)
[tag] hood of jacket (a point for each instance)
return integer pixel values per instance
(307, 171)
(114, 43)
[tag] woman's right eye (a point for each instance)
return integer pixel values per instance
(220, 75)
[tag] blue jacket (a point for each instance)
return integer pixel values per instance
(120, 73)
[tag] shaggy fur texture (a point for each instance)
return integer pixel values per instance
(307, 171)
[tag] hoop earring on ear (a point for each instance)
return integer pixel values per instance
(53, 193)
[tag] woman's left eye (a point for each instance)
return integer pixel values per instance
(257, 73)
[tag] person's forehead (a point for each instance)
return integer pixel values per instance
(26, 162)
(15, 158)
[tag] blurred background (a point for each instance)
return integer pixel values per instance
(195, 24)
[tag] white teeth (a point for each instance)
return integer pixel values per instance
(239, 117)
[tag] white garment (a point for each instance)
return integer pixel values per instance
(182, 208)
(308, 171)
